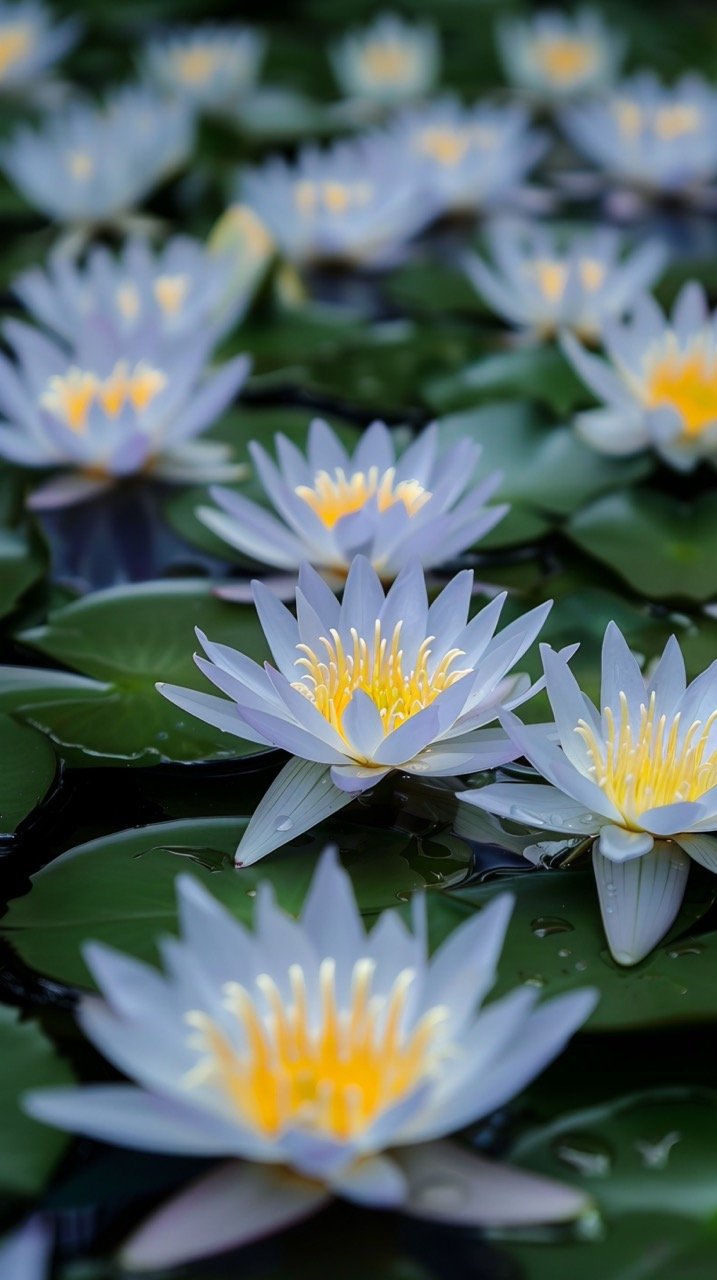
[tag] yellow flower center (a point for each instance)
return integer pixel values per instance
(333, 197)
(377, 668)
(667, 123)
(565, 59)
(196, 66)
(655, 764)
(16, 40)
(684, 380)
(81, 165)
(128, 300)
(71, 397)
(447, 146)
(331, 1071)
(387, 61)
(171, 292)
(552, 276)
(334, 496)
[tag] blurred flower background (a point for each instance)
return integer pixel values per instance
(372, 351)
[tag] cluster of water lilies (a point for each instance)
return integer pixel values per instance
(307, 1055)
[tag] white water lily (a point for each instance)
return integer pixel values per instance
(545, 282)
(110, 408)
(356, 202)
(88, 164)
(555, 55)
(658, 384)
(470, 158)
(639, 775)
(176, 290)
(30, 44)
(378, 682)
(660, 140)
(388, 62)
(329, 504)
(211, 67)
(317, 1061)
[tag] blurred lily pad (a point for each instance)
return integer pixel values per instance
(28, 770)
(19, 568)
(662, 547)
(120, 889)
(431, 287)
(556, 942)
(28, 1150)
(542, 374)
(128, 638)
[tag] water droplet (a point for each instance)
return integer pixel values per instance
(251, 893)
(686, 948)
(581, 965)
(589, 1156)
(655, 1155)
(544, 926)
(563, 952)
(162, 736)
(283, 823)
(533, 980)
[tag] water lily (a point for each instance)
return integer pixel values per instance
(25, 1253)
(30, 44)
(658, 384)
(210, 67)
(471, 158)
(544, 282)
(318, 1061)
(330, 504)
(177, 290)
(555, 55)
(658, 139)
(637, 778)
(388, 62)
(109, 409)
(356, 202)
(88, 164)
(378, 682)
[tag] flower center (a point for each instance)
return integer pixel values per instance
(657, 762)
(128, 300)
(16, 40)
(81, 165)
(552, 276)
(685, 381)
(171, 292)
(327, 1069)
(334, 496)
(388, 62)
(565, 59)
(196, 66)
(447, 146)
(333, 197)
(70, 398)
(667, 123)
(331, 679)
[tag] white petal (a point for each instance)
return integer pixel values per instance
(620, 845)
(640, 899)
(231, 1206)
(450, 1184)
(702, 848)
(25, 1254)
(300, 797)
(377, 1180)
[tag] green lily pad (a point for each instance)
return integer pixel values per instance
(19, 568)
(28, 1150)
(120, 889)
(640, 1246)
(663, 548)
(129, 638)
(430, 288)
(544, 468)
(556, 942)
(28, 771)
(541, 374)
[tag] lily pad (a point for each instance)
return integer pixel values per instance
(542, 374)
(556, 942)
(430, 288)
(28, 770)
(28, 1150)
(120, 889)
(663, 548)
(129, 638)
(19, 568)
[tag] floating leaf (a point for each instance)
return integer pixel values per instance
(540, 373)
(27, 773)
(19, 568)
(28, 1150)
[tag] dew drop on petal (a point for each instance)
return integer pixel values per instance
(283, 823)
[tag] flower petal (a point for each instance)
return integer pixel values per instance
(301, 796)
(702, 848)
(640, 899)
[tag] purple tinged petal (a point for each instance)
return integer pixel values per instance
(640, 899)
(299, 798)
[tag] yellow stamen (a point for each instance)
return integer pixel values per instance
(333, 197)
(654, 762)
(332, 1073)
(128, 300)
(196, 66)
(684, 379)
(629, 116)
(677, 121)
(387, 61)
(16, 40)
(592, 274)
(552, 277)
(338, 495)
(447, 146)
(565, 59)
(376, 668)
(171, 292)
(81, 165)
(71, 397)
